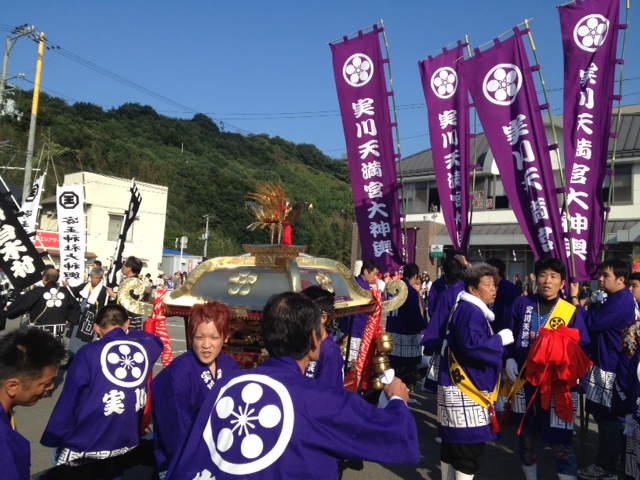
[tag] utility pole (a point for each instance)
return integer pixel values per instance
(18, 32)
(206, 233)
(26, 188)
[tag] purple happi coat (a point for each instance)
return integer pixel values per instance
(437, 328)
(100, 409)
(479, 352)
(506, 293)
(435, 332)
(178, 393)
(15, 451)
(607, 379)
(273, 422)
(523, 315)
(632, 457)
(330, 366)
(359, 324)
(437, 287)
(405, 324)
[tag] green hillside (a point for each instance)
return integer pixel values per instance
(208, 171)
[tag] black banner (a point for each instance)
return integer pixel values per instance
(129, 217)
(19, 258)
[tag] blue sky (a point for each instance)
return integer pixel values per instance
(264, 66)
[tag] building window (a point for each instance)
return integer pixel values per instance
(497, 199)
(479, 193)
(416, 196)
(115, 225)
(433, 197)
(622, 186)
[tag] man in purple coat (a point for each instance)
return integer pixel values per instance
(469, 376)
(452, 270)
(355, 326)
(434, 335)
(180, 389)
(406, 323)
(528, 315)
(506, 294)
(440, 309)
(329, 367)
(607, 380)
(274, 422)
(29, 361)
(99, 412)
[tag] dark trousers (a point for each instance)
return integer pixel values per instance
(609, 441)
(464, 458)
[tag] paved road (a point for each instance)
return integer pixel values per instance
(500, 460)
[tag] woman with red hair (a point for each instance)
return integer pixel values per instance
(180, 389)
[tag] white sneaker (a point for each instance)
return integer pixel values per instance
(594, 472)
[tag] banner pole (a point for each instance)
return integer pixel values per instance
(38, 241)
(44, 181)
(466, 39)
(504, 34)
(352, 34)
(403, 199)
(616, 131)
(565, 4)
(475, 158)
(563, 182)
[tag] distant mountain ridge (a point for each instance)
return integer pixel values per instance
(208, 171)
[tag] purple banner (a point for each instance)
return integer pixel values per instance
(501, 84)
(448, 112)
(590, 39)
(410, 243)
(359, 72)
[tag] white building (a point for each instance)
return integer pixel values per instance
(106, 200)
(173, 261)
(495, 231)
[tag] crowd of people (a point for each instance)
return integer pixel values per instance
(492, 345)
(485, 344)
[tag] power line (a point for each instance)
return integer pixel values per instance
(118, 78)
(218, 116)
(221, 118)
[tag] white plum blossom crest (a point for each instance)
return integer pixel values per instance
(54, 298)
(124, 363)
(358, 70)
(591, 32)
(444, 82)
(254, 419)
(502, 84)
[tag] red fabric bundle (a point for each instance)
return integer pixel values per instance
(367, 350)
(156, 325)
(555, 363)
